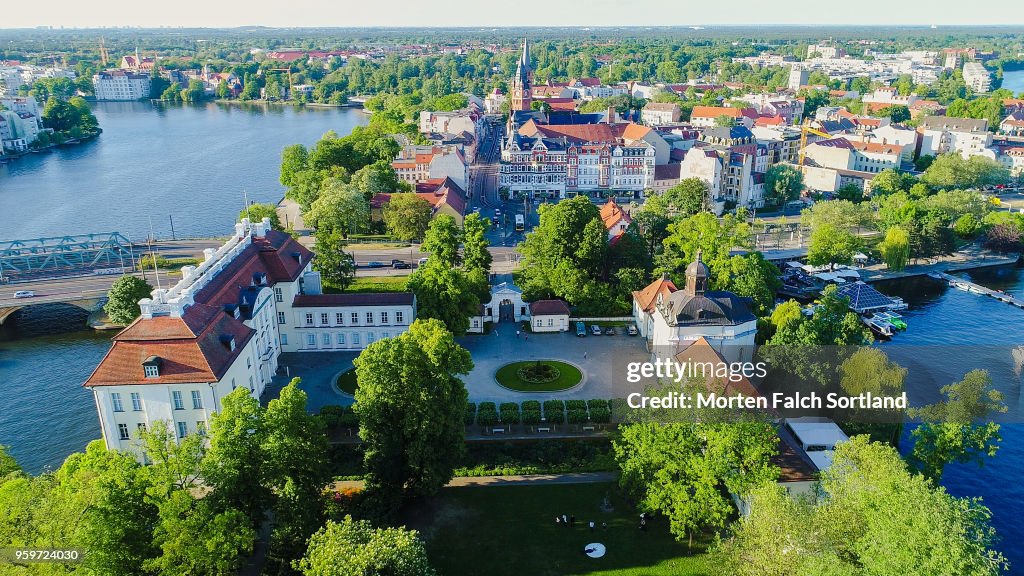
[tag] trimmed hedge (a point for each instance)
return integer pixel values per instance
(531, 417)
(488, 406)
(597, 403)
(470, 413)
(577, 416)
(531, 405)
(509, 413)
(486, 417)
(575, 405)
(553, 406)
(600, 415)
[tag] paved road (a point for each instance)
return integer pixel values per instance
(528, 479)
(89, 286)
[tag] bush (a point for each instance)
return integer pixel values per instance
(531, 405)
(597, 403)
(486, 417)
(554, 411)
(600, 415)
(576, 405)
(510, 413)
(577, 416)
(348, 420)
(487, 406)
(470, 413)
(531, 417)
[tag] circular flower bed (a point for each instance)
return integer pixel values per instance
(539, 376)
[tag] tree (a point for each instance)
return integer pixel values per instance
(122, 305)
(891, 181)
(294, 159)
(687, 198)
(411, 405)
(874, 517)
(686, 470)
(1004, 238)
(713, 237)
(953, 171)
(442, 241)
(340, 207)
(475, 255)
(896, 113)
(8, 465)
(407, 216)
(725, 121)
(336, 267)
(896, 248)
(851, 192)
(196, 540)
(831, 245)
(966, 226)
(753, 277)
(783, 183)
(297, 470)
(356, 548)
(257, 212)
(444, 293)
(956, 429)
(233, 463)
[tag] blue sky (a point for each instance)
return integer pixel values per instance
(345, 13)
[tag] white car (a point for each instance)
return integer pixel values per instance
(24, 294)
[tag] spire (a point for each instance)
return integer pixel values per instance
(524, 60)
(697, 276)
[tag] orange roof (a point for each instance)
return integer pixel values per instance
(701, 351)
(648, 297)
(877, 147)
(770, 121)
(716, 111)
(633, 131)
(611, 214)
(424, 158)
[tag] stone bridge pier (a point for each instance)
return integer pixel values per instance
(90, 305)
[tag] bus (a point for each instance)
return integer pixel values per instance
(520, 223)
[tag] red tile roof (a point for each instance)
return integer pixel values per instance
(612, 214)
(648, 297)
(548, 308)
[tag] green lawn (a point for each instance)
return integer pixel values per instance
(347, 381)
(379, 284)
(511, 531)
(568, 376)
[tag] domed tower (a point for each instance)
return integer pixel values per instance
(697, 277)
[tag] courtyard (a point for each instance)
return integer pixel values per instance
(600, 359)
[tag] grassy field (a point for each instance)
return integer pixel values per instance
(347, 381)
(379, 284)
(511, 531)
(568, 376)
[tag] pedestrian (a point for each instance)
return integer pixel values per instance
(584, 355)
(591, 525)
(517, 333)
(643, 525)
(525, 337)
(565, 520)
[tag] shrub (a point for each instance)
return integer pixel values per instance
(348, 420)
(488, 406)
(470, 413)
(619, 408)
(577, 416)
(510, 413)
(597, 403)
(531, 417)
(576, 405)
(332, 409)
(531, 405)
(486, 417)
(554, 411)
(600, 415)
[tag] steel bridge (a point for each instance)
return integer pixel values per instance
(60, 256)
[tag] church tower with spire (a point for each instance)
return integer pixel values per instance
(522, 94)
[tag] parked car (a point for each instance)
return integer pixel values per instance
(633, 331)
(400, 265)
(595, 330)
(374, 264)
(24, 294)
(609, 331)
(581, 330)
(421, 262)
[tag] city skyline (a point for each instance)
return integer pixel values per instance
(463, 13)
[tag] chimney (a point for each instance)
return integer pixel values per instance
(610, 115)
(209, 253)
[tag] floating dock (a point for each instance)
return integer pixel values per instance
(968, 286)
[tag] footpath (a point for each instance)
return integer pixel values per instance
(523, 480)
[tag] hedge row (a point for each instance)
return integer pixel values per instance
(597, 410)
(335, 417)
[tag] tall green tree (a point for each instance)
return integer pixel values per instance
(442, 241)
(233, 464)
(783, 183)
(411, 405)
(751, 276)
(687, 198)
(714, 238)
(257, 212)
(356, 548)
(122, 305)
(407, 216)
(340, 207)
(475, 254)
(896, 248)
(959, 427)
(831, 245)
(336, 267)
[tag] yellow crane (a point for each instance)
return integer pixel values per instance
(806, 129)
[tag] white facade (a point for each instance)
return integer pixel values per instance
(977, 77)
(121, 85)
(945, 135)
(345, 322)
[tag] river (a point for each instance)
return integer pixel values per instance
(1014, 81)
(192, 163)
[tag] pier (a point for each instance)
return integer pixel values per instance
(969, 286)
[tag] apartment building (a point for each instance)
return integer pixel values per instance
(121, 85)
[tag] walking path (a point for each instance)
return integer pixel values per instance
(523, 480)
(966, 259)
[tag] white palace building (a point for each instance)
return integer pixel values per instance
(223, 326)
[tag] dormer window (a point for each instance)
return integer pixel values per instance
(228, 341)
(151, 367)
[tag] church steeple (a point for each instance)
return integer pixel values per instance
(522, 97)
(697, 276)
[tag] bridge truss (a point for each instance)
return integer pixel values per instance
(58, 256)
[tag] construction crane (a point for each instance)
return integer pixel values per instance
(806, 129)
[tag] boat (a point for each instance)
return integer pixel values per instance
(879, 327)
(892, 318)
(898, 304)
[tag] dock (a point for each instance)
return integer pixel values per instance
(969, 286)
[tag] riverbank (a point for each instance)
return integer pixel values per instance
(969, 258)
(49, 147)
(355, 105)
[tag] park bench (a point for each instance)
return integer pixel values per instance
(497, 431)
(588, 428)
